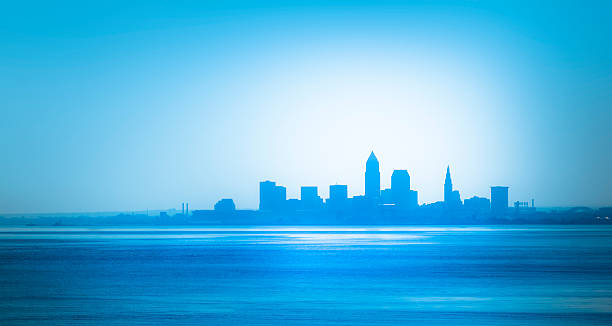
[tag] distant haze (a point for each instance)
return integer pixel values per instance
(110, 108)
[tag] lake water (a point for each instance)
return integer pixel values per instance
(512, 275)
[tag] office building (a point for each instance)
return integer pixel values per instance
(271, 196)
(266, 195)
(400, 187)
(499, 201)
(310, 198)
(372, 178)
(338, 192)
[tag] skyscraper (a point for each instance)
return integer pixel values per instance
(338, 192)
(372, 178)
(309, 198)
(280, 198)
(448, 187)
(271, 196)
(308, 193)
(266, 195)
(400, 187)
(499, 201)
(338, 197)
(452, 198)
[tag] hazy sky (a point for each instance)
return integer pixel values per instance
(111, 106)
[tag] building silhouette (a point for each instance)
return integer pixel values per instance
(280, 198)
(413, 199)
(400, 187)
(266, 195)
(386, 196)
(389, 205)
(372, 178)
(499, 201)
(338, 192)
(309, 198)
(448, 186)
(477, 204)
(308, 193)
(338, 197)
(225, 205)
(271, 196)
(452, 198)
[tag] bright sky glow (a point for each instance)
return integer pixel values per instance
(114, 108)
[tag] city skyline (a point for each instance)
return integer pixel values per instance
(232, 162)
(450, 196)
(120, 107)
(273, 196)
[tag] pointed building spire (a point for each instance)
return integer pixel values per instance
(372, 157)
(448, 186)
(372, 162)
(372, 177)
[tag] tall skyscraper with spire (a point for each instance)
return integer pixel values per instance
(448, 186)
(372, 178)
(452, 198)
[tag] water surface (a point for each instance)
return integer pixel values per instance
(535, 275)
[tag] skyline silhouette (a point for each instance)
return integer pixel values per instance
(399, 197)
(232, 162)
(110, 107)
(273, 196)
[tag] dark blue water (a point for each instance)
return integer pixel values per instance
(537, 275)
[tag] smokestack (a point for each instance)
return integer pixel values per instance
(186, 209)
(183, 209)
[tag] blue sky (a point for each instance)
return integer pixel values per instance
(108, 106)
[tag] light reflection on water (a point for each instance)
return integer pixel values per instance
(280, 235)
(489, 275)
(255, 229)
